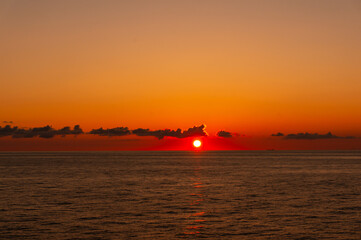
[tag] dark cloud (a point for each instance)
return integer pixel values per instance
(194, 132)
(312, 136)
(7, 130)
(277, 134)
(118, 131)
(8, 122)
(224, 134)
(67, 131)
(160, 134)
(49, 132)
(43, 132)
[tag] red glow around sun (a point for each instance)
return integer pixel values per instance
(197, 143)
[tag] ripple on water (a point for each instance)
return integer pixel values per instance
(180, 195)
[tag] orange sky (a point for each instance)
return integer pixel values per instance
(251, 67)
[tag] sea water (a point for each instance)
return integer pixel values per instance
(180, 195)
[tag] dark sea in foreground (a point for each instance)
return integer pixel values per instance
(180, 195)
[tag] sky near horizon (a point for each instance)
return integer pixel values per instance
(248, 67)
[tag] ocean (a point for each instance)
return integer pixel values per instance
(181, 195)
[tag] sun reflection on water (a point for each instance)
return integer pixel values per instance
(196, 222)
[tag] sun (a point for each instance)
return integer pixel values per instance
(197, 143)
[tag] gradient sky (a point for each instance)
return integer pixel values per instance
(250, 67)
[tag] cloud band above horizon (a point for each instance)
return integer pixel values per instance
(196, 131)
(310, 136)
(49, 132)
(42, 132)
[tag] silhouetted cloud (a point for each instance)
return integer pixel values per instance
(118, 131)
(194, 132)
(43, 132)
(277, 134)
(8, 122)
(157, 133)
(67, 131)
(160, 134)
(7, 130)
(49, 132)
(312, 136)
(224, 134)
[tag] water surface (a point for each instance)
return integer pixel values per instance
(180, 195)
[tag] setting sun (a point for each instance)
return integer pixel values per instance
(180, 119)
(197, 143)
